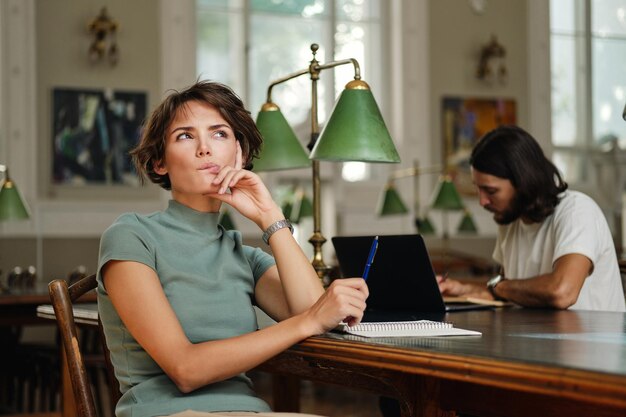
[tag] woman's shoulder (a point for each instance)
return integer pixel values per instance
(130, 223)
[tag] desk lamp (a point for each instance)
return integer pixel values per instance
(391, 203)
(355, 131)
(467, 225)
(11, 204)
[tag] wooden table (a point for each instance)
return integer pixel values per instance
(527, 363)
(18, 306)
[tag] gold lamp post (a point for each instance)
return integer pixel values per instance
(391, 203)
(355, 131)
(446, 198)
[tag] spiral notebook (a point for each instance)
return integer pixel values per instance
(423, 328)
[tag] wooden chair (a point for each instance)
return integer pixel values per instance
(62, 298)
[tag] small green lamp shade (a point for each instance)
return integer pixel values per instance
(281, 148)
(355, 130)
(287, 208)
(391, 203)
(302, 208)
(447, 197)
(467, 225)
(424, 226)
(226, 221)
(11, 204)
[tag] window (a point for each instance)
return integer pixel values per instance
(246, 44)
(588, 61)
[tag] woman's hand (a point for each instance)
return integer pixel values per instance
(248, 195)
(343, 300)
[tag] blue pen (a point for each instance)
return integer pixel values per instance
(370, 258)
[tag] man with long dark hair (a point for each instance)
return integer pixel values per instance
(554, 245)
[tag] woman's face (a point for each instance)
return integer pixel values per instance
(198, 143)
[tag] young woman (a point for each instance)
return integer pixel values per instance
(176, 291)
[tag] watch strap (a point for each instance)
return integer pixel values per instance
(275, 227)
(491, 286)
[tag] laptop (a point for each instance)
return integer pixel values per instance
(401, 279)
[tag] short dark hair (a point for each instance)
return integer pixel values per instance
(512, 153)
(151, 147)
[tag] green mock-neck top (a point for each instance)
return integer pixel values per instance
(208, 277)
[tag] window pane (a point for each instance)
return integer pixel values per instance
(358, 10)
(608, 17)
(564, 97)
(216, 32)
(218, 4)
(609, 89)
(349, 39)
(566, 16)
(570, 165)
(304, 8)
(275, 54)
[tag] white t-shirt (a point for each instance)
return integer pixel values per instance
(576, 226)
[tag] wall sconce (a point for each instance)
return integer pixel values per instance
(103, 30)
(491, 62)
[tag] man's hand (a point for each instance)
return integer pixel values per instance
(456, 288)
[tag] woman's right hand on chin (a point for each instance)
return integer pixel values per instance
(343, 300)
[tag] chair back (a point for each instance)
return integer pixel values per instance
(62, 298)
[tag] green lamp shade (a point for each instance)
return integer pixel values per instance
(391, 203)
(467, 225)
(301, 209)
(281, 148)
(287, 209)
(11, 204)
(226, 221)
(424, 226)
(355, 130)
(447, 197)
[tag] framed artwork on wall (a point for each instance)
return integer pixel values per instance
(92, 132)
(464, 122)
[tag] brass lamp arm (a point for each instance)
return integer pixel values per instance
(412, 172)
(357, 68)
(314, 69)
(282, 80)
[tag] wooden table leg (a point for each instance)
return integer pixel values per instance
(286, 393)
(421, 397)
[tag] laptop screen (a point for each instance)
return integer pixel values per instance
(401, 277)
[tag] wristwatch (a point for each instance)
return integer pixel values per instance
(275, 227)
(491, 286)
